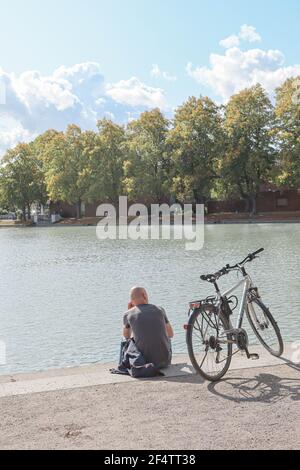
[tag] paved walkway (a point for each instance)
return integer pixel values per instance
(79, 377)
(87, 408)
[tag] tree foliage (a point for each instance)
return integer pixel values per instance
(22, 179)
(68, 172)
(108, 165)
(196, 144)
(250, 147)
(206, 151)
(146, 167)
(288, 132)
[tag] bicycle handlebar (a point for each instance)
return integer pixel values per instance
(251, 256)
(258, 251)
(222, 272)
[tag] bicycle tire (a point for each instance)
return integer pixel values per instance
(189, 340)
(268, 315)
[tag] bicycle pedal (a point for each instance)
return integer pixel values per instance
(254, 357)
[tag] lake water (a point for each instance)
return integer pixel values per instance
(63, 292)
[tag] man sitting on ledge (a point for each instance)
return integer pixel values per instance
(150, 328)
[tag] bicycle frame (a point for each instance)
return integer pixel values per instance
(215, 340)
(247, 284)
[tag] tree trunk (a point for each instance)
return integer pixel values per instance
(24, 214)
(248, 204)
(198, 198)
(28, 212)
(253, 205)
(78, 209)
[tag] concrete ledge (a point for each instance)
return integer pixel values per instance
(87, 376)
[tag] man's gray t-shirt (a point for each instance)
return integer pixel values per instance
(148, 325)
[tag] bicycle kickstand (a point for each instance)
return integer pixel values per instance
(253, 356)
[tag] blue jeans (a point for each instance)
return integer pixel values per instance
(165, 365)
(124, 342)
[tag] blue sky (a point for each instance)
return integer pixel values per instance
(132, 55)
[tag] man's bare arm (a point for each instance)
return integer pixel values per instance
(170, 331)
(127, 333)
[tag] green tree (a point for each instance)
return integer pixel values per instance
(68, 170)
(288, 131)
(22, 179)
(250, 147)
(147, 164)
(41, 143)
(108, 157)
(196, 144)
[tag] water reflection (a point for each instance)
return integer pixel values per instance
(63, 291)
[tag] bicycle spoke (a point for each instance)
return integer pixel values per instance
(263, 326)
(204, 358)
(206, 343)
(211, 341)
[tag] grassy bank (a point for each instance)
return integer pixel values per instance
(15, 223)
(222, 218)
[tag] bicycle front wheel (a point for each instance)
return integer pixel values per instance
(265, 327)
(208, 342)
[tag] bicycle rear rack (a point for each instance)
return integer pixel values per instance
(211, 300)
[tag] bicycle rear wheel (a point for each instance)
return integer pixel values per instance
(265, 327)
(209, 347)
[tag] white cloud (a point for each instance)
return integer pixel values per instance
(131, 116)
(78, 73)
(100, 102)
(231, 41)
(156, 72)
(32, 88)
(236, 69)
(109, 115)
(12, 131)
(135, 93)
(78, 94)
(247, 33)
(2, 91)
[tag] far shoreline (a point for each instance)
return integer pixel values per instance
(213, 219)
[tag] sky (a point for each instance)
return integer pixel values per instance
(76, 61)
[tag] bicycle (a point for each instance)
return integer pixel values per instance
(210, 335)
